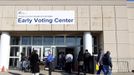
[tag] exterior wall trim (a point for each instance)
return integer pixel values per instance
(62, 2)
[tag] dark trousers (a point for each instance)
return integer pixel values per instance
(80, 69)
(100, 68)
(50, 68)
(86, 67)
(69, 67)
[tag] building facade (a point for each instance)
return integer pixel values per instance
(105, 24)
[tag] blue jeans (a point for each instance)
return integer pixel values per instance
(107, 71)
(100, 68)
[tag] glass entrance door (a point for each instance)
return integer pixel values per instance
(39, 50)
(26, 50)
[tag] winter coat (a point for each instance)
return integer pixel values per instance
(34, 63)
(80, 56)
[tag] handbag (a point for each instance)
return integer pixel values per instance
(97, 67)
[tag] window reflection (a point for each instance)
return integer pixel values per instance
(59, 40)
(14, 51)
(48, 40)
(37, 40)
(26, 40)
(70, 40)
(15, 40)
(13, 62)
(79, 41)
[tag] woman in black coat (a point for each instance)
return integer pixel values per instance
(34, 63)
(80, 61)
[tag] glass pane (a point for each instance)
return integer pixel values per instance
(24, 51)
(14, 51)
(13, 62)
(45, 51)
(26, 40)
(70, 40)
(95, 45)
(59, 40)
(38, 49)
(48, 40)
(15, 40)
(37, 40)
(79, 41)
(29, 51)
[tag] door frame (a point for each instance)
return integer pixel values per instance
(40, 53)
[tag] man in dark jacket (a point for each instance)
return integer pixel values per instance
(87, 61)
(34, 62)
(80, 61)
(107, 63)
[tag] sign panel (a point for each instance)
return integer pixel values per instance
(45, 17)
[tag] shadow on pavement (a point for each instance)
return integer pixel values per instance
(14, 73)
(19, 74)
(65, 73)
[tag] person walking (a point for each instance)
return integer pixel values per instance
(22, 61)
(107, 63)
(87, 58)
(50, 60)
(34, 63)
(61, 60)
(80, 61)
(100, 62)
(69, 60)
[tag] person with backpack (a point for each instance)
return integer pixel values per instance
(107, 63)
(69, 60)
(87, 60)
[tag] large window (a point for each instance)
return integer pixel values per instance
(48, 40)
(26, 40)
(13, 62)
(14, 51)
(79, 41)
(70, 40)
(59, 40)
(15, 40)
(37, 40)
(95, 44)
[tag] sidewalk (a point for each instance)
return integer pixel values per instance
(43, 72)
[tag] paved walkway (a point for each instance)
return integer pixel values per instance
(43, 72)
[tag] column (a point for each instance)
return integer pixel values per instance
(5, 51)
(0, 47)
(87, 42)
